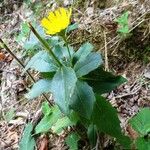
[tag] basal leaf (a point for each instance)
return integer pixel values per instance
(92, 135)
(106, 119)
(142, 143)
(41, 86)
(27, 141)
(46, 108)
(10, 114)
(74, 117)
(63, 85)
(83, 99)
(141, 122)
(102, 81)
(41, 62)
(72, 141)
(48, 120)
(90, 63)
(83, 52)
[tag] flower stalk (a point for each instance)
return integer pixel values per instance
(45, 44)
(65, 39)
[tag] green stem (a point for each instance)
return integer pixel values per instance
(65, 39)
(68, 50)
(45, 44)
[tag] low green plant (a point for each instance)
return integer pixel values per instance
(123, 24)
(141, 124)
(10, 114)
(77, 81)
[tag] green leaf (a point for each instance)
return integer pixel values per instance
(123, 23)
(41, 62)
(125, 30)
(38, 88)
(102, 81)
(48, 120)
(9, 115)
(46, 109)
(27, 141)
(61, 51)
(142, 144)
(74, 117)
(65, 51)
(83, 52)
(25, 30)
(72, 27)
(92, 135)
(106, 119)
(72, 141)
(32, 41)
(141, 122)
(91, 62)
(62, 87)
(83, 99)
(61, 124)
(53, 41)
(58, 51)
(123, 19)
(47, 75)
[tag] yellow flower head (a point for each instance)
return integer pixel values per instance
(57, 20)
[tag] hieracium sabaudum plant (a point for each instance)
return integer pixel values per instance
(76, 79)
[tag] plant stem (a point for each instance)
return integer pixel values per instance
(65, 39)
(22, 65)
(68, 50)
(45, 44)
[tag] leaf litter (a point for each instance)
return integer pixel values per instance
(127, 98)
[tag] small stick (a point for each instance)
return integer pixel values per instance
(22, 65)
(15, 57)
(106, 55)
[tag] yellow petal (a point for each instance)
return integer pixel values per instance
(45, 23)
(51, 16)
(57, 20)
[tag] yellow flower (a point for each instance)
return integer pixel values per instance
(57, 20)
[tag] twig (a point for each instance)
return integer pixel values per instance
(15, 57)
(97, 142)
(106, 55)
(22, 65)
(129, 94)
(115, 48)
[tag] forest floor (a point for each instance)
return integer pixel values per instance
(129, 57)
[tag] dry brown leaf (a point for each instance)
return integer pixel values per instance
(43, 143)
(133, 134)
(2, 56)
